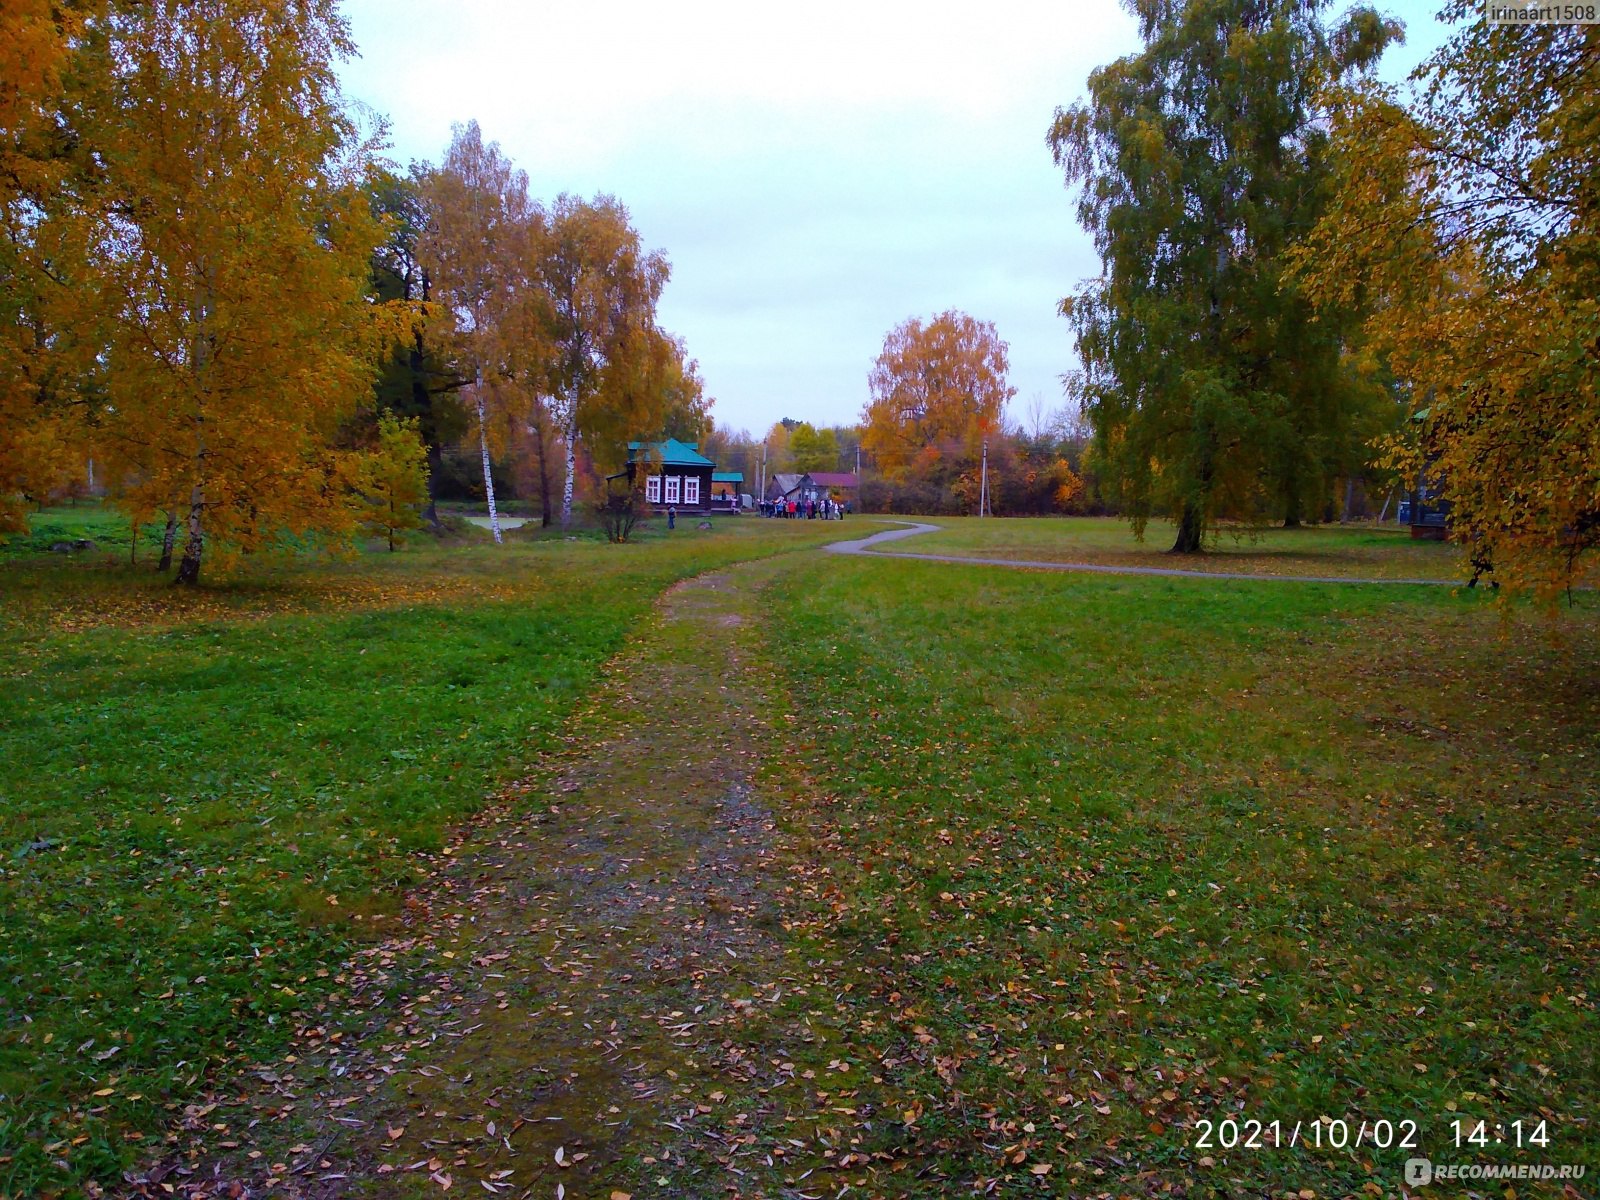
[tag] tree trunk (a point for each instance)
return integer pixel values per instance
(1191, 531)
(483, 446)
(570, 434)
(544, 469)
(1349, 500)
(430, 511)
(168, 540)
(189, 568)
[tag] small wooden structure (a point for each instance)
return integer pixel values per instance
(725, 489)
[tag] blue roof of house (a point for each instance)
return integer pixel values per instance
(673, 453)
(727, 477)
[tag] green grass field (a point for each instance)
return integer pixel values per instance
(1126, 854)
(207, 799)
(1357, 551)
(1105, 856)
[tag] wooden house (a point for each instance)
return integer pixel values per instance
(841, 485)
(679, 475)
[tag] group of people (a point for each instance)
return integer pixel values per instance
(825, 509)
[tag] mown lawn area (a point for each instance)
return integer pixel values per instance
(1116, 857)
(207, 799)
(1354, 551)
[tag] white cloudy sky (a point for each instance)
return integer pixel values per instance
(816, 173)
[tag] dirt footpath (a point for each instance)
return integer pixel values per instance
(587, 971)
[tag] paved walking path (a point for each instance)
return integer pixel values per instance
(866, 546)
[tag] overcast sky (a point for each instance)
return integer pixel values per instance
(816, 174)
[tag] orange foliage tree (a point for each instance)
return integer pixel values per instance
(935, 388)
(232, 247)
(44, 347)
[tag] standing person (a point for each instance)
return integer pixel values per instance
(672, 516)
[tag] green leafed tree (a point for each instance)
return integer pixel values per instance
(1212, 386)
(813, 449)
(392, 479)
(419, 378)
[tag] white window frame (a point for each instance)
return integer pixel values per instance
(672, 488)
(652, 489)
(691, 489)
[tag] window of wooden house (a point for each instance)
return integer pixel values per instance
(672, 488)
(652, 489)
(691, 489)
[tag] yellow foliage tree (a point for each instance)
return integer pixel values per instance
(393, 479)
(480, 234)
(598, 287)
(233, 250)
(1470, 220)
(42, 347)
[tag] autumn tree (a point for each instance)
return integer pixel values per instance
(813, 449)
(651, 390)
(47, 339)
(419, 378)
(391, 479)
(935, 388)
(599, 289)
(232, 252)
(477, 249)
(1469, 221)
(1211, 384)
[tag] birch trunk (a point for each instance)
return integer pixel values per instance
(570, 436)
(168, 541)
(189, 568)
(483, 446)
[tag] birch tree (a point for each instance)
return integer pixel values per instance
(1469, 215)
(477, 248)
(231, 244)
(599, 290)
(1201, 159)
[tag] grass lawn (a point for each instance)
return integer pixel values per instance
(207, 799)
(1116, 856)
(1077, 863)
(1357, 551)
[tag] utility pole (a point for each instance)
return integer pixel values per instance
(983, 482)
(762, 476)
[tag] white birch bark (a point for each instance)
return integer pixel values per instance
(569, 435)
(483, 446)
